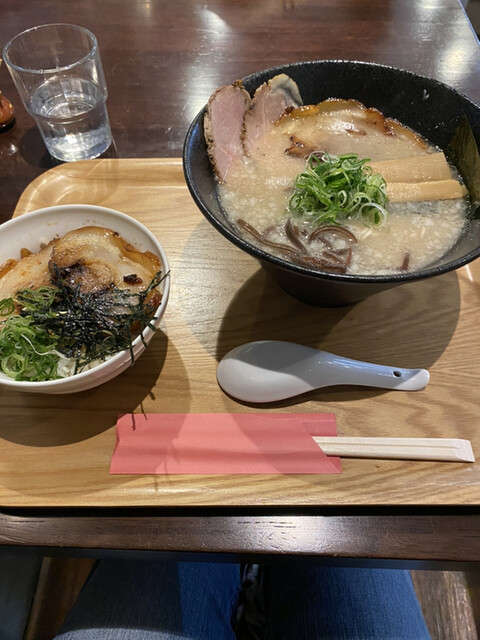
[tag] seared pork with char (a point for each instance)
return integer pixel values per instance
(234, 123)
(223, 126)
(270, 102)
(31, 272)
(90, 258)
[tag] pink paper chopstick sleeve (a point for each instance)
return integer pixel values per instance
(222, 443)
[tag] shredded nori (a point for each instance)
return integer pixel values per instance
(89, 325)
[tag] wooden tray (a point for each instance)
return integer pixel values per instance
(55, 451)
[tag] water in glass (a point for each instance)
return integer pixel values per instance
(72, 117)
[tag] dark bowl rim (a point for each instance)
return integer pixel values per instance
(264, 256)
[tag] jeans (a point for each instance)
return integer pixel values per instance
(145, 600)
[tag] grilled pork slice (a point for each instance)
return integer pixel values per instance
(31, 272)
(341, 126)
(91, 258)
(223, 126)
(94, 257)
(270, 101)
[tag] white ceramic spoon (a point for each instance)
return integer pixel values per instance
(271, 370)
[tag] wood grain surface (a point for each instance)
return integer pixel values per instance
(163, 58)
(56, 450)
(343, 535)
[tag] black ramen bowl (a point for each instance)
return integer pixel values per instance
(427, 106)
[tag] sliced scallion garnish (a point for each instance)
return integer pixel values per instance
(27, 350)
(334, 189)
(39, 326)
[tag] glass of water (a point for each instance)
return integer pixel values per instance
(58, 73)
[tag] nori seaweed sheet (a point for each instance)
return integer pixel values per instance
(462, 151)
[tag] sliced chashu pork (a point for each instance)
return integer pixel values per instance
(94, 257)
(223, 126)
(270, 102)
(344, 126)
(234, 122)
(31, 272)
(90, 257)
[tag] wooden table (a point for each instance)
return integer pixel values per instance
(162, 60)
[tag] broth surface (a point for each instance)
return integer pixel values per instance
(259, 188)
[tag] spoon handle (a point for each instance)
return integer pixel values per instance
(354, 372)
(445, 449)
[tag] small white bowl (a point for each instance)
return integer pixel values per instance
(31, 230)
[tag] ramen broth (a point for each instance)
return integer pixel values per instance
(414, 235)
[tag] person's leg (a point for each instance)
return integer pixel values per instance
(333, 603)
(151, 600)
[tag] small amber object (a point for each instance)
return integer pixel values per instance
(7, 112)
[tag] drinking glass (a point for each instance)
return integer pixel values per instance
(58, 73)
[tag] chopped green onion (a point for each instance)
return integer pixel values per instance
(333, 189)
(27, 351)
(39, 326)
(7, 306)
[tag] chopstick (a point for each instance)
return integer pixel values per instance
(443, 449)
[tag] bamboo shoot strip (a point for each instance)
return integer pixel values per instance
(443, 449)
(424, 168)
(425, 191)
